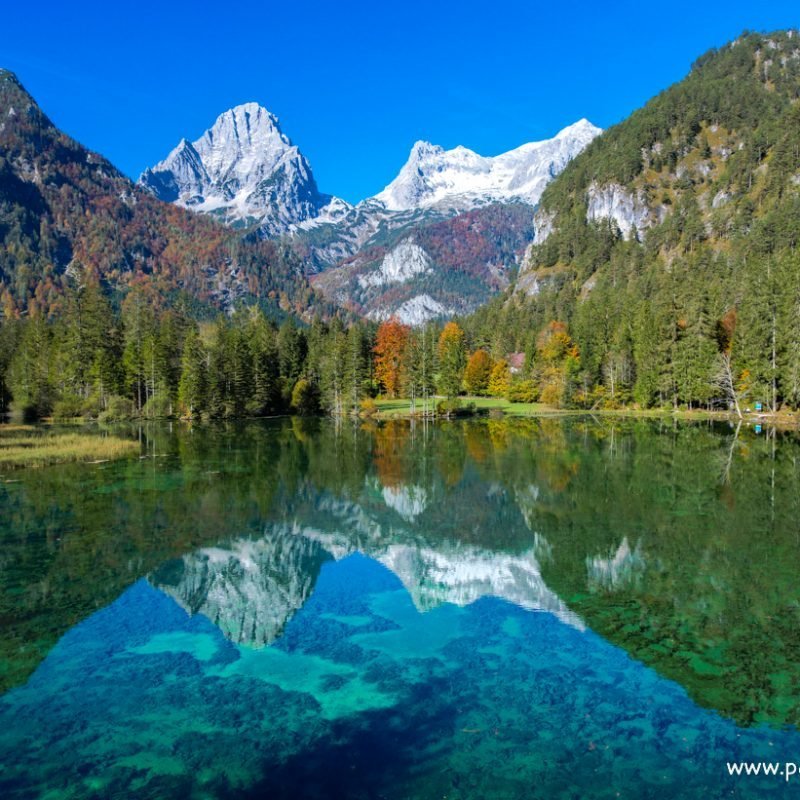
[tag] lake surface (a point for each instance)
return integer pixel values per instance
(571, 608)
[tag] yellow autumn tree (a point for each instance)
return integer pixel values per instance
(500, 379)
(478, 372)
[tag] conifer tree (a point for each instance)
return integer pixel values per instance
(646, 354)
(420, 365)
(355, 370)
(32, 377)
(334, 367)
(240, 369)
(451, 353)
(291, 353)
(192, 383)
(138, 322)
(789, 332)
(265, 365)
(218, 382)
(755, 347)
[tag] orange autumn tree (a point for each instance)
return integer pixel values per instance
(390, 349)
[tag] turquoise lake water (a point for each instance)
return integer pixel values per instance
(490, 609)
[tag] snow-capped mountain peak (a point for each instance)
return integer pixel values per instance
(244, 140)
(433, 175)
(243, 169)
(582, 128)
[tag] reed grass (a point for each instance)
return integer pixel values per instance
(38, 446)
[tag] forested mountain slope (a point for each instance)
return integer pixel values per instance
(66, 211)
(669, 246)
(432, 268)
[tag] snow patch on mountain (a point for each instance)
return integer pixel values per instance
(433, 175)
(401, 264)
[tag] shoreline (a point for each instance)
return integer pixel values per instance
(400, 409)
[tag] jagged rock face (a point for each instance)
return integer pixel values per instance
(416, 311)
(613, 202)
(244, 170)
(397, 533)
(399, 265)
(249, 589)
(543, 225)
(433, 175)
(42, 169)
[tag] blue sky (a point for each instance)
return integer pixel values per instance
(355, 84)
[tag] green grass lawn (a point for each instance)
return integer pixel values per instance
(401, 407)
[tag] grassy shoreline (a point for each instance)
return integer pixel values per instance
(400, 408)
(41, 445)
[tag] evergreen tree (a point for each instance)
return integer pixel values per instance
(266, 374)
(695, 356)
(90, 349)
(10, 330)
(316, 341)
(218, 382)
(334, 367)
(240, 370)
(138, 321)
(420, 365)
(789, 332)
(755, 346)
(355, 369)
(32, 372)
(451, 352)
(192, 382)
(291, 354)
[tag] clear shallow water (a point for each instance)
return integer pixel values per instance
(491, 609)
